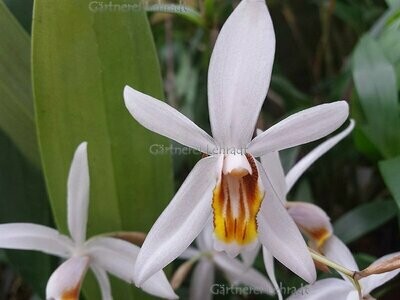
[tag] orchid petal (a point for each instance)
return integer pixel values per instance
(239, 272)
(240, 73)
(311, 220)
(269, 267)
(249, 257)
(65, 282)
(181, 222)
(273, 167)
(202, 281)
(280, 235)
(158, 285)
(28, 236)
(104, 282)
(161, 118)
(326, 289)
(114, 255)
(376, 280)
(118, 258)
(189, 253)
(78, 194)
(205, 241)
(337, 251)
(300, 128)
(302, 165)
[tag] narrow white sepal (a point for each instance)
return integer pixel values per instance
(78, 194)
(270, 268)
(302, 165)
(28, 236)
(300, 128)
(103, 281)
(163, 119)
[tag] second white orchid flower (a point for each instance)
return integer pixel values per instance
(231, 184)
(101, 254)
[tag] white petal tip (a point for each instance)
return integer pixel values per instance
(140, 277)
(81, 149)
(65, 282)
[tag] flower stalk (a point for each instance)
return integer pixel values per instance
(351, 275)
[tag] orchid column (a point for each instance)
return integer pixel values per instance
(230, 184)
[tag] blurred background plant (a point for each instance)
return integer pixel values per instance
(327, 50)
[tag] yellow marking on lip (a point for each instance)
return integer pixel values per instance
(71, 294)
(319, 236)
(236, 202)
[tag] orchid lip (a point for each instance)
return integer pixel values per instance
(237, 199)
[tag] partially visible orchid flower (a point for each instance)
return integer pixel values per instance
(311, 219)
(334, 288)
(101, 254)
(230, 183)
(208, 260)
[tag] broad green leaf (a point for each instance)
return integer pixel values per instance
(16, 104)
(21, 183)
(390, 170)
(23, 199)
(81, 62)
(363, 219)
(375, 81)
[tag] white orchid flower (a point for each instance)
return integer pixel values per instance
(208, 260)
(311, 219)
(101, 254)
(230, 183)
(334, 288)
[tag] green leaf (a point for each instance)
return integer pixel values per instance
(390, 43)
(390, 170)
(363, 219)
(21, 183)
(375, 81)
(16, 104)
(81, 62)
